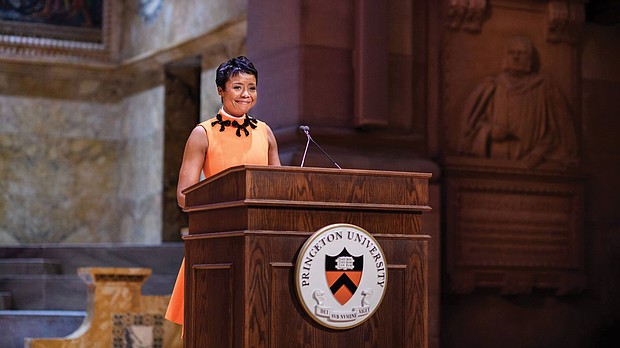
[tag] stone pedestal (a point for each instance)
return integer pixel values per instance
(117, 314)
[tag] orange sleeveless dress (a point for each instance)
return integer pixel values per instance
(225, 150)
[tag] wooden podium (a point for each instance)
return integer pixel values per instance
(246, 227)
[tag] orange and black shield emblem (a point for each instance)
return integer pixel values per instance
(343, 273)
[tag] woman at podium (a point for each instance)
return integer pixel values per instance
(229, 139)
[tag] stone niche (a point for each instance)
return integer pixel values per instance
(512, 228)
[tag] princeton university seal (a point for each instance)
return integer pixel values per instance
(341, 276)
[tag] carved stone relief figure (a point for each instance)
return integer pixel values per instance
(519, 115)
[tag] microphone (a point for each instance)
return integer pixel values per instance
(306, 130)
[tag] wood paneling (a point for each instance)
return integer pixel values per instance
(247, 226)
(265, 298)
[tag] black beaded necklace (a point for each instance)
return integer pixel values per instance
(247, 121)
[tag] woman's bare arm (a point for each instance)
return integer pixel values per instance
(274, 158)
(193, 161)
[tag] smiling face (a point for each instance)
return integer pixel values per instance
(240, 94)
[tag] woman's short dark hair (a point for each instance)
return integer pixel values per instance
(234, 67)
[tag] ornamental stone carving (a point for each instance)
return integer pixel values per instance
(564, 20)
(519, 115)
(467, 15)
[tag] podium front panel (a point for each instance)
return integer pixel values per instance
(249, 276)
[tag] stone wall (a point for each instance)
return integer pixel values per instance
(582, 67)
(140, 167)
(81, 171)
(81, 144)
(59, 168)
(177, 22)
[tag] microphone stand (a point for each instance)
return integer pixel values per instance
(303, 159)
(306, 130)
